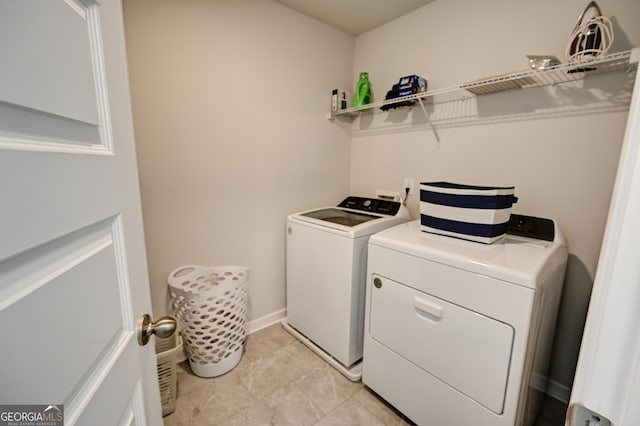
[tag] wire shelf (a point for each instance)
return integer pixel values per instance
(562, 73)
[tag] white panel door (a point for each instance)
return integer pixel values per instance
(73, 278)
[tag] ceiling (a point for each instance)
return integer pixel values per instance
(354, 16)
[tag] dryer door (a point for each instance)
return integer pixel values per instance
(466, 350)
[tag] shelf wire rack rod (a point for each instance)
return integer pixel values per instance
(426, 116)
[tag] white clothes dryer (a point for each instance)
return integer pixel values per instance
(326, 265)
(458, 332)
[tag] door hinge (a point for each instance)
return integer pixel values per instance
(578, 415)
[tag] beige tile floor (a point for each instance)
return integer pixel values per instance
(281, 382)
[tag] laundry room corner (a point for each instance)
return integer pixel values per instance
(229, 101)
(558, 145)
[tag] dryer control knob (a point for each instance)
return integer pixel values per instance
(377, 282)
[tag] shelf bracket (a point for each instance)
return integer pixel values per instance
(426, 115)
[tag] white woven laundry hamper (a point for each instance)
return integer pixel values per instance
(210, 304)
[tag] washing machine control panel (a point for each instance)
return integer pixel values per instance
(531, 227)
(373, 205)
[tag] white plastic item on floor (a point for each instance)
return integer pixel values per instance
(167, 360)
(210, 303)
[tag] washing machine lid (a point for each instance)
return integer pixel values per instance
(354, 217)
(516, 259)
(340, 216)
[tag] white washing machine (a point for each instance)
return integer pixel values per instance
(326, 265)
(460, 333)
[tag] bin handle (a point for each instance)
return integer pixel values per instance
(182, 272)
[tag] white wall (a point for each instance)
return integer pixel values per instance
(229, 100)
(559, 145)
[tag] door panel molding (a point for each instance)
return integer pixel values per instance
(31, 285)
(129, 321)
(120, 355)
(34, 125)
(24, 273)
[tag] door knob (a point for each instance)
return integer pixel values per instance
(164, 327)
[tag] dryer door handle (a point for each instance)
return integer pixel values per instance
(427, 309)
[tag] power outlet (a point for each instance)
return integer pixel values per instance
(408, 183)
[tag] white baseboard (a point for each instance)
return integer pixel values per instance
(558, 391)
(266, 321)
(552, 388)
(538, 382)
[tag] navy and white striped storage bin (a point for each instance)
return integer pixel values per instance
(476, 213)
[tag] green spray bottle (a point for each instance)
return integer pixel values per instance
(363, 90)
